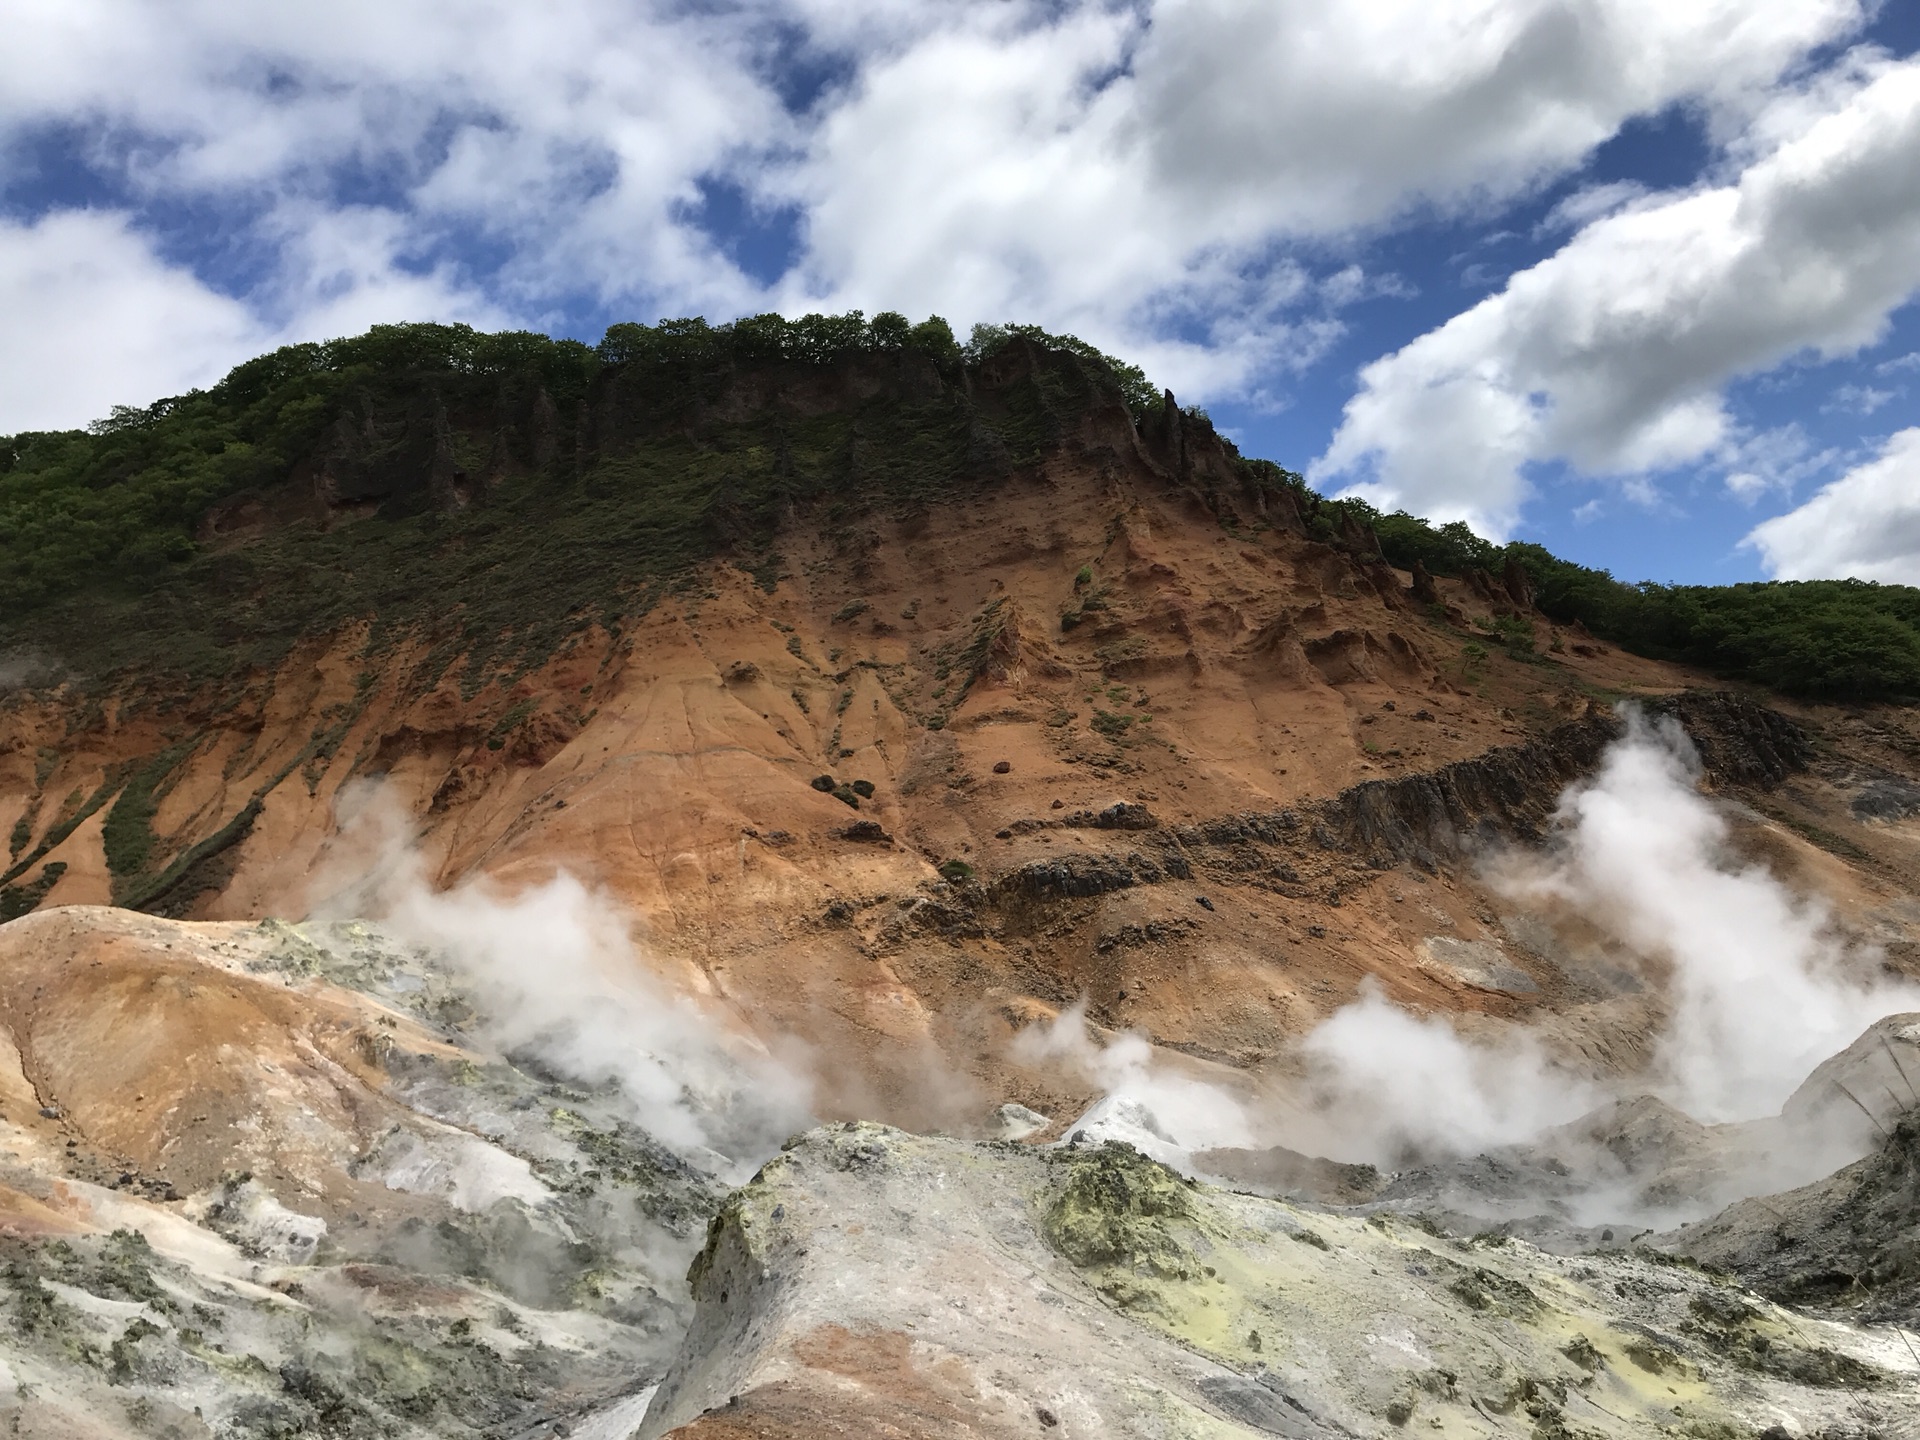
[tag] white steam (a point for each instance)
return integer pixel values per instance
(1147, 1103)
(1388, 1083)
(1755, 986)
(1759, 986)
(555, 974)
(1762, 986)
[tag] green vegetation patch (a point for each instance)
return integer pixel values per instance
(77, 810)
(1839, 640)
(127, 834)
(18, 900)
(22, 833)
(498, 492)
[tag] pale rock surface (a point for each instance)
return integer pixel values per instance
(873, 1282)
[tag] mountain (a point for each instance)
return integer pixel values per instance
(729, 727)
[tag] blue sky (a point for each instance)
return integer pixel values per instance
(1632, 279)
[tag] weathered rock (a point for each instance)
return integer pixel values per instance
(1423, 589)
(1508, 793)
(873, 1282)
(266, 1187)
(1847, 1245)
(1121, 816)
(1015, 1122)
(1070, 877)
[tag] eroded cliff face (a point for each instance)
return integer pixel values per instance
(1104, 730)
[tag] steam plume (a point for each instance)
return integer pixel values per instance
(1762, 986)
(1757, 987)
(1147, 1103)
(555, 972)
(1759, 984)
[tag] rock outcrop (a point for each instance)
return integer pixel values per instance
(1847, 1245)
(254, 1182)
(873, 1282)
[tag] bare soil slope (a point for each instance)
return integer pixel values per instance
(1103, 732)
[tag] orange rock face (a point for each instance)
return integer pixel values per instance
(980, 685)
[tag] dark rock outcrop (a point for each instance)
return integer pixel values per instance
(1849, 1243)
(1424, 590)
(1509, 793)
(1071, 877)
(1123, 816)
(1518, 585)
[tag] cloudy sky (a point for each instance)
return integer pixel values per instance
(1633, 278)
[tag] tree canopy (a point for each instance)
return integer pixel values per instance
(103, 531)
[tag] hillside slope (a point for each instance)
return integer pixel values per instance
(1075, 704)
(726, 731)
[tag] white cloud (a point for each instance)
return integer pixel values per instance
(98, 319)
(1103, 166)
(1781, 459)
(1144, 173)
(94, 319)
(1303, 115)
(1856, 400)
(367, 147)
(1865, 525)
(1610, 355)
(343, 269)
(1590, 203)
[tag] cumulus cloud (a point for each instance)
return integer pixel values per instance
(1611, 354)
(388, 162)
(95, 318)
(1865, 525)
(1117, 169)
(1147, 174)
(342, 269)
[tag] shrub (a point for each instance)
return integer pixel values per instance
(1835, 640)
